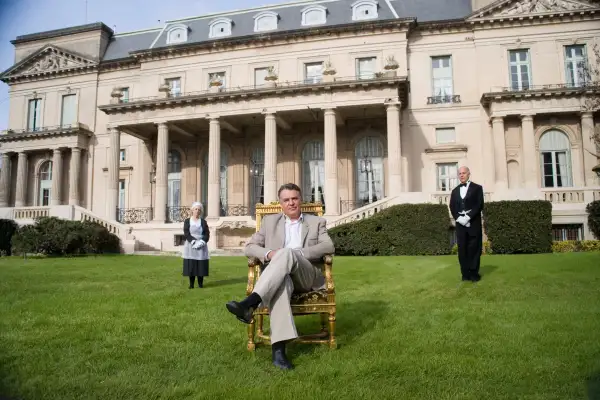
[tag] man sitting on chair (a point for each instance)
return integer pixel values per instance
(287, 244)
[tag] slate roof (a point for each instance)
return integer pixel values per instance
(339, 12)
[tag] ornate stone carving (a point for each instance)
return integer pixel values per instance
(235, 225)
(543, 6)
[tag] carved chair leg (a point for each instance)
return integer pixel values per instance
(332, 341)
(251, 343)
(323, 322)
(260, 318)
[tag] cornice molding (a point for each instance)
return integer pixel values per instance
(44, 132)
(552, 91)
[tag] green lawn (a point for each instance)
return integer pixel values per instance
(127, 327)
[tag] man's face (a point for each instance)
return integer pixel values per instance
(463, 175)
(290, 203)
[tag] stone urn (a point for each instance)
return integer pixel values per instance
(115, 95)
(164, 90)
(215, 85)
(390, 67)
(271, 77)
(329, 72)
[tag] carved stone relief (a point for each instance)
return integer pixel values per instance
(542, 6)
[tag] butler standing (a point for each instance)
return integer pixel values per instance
(466, 205)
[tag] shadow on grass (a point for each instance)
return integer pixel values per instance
(224, 282)
(4, 391)
(486, 270)
(593, 387)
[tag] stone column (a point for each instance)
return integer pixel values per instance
(5, 180)
(74, 176)
(21, 192)
(162, 173)
(214, 169)
(332, 201)
(530, 161)
(394, 149)
(500, 153)
(56, 178)
(589, 147)
(270, 173)
(112, 192)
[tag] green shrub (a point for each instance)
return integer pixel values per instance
(8, 227)
(405, 229)
(572, 246)
(58, 237)
(593, 211)
(516, 227)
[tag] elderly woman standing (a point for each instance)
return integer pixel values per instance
(195, 249)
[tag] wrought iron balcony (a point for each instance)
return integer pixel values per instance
(235, 210)
(178, 214)
(134, 215)
(447, 99)
(43, 131)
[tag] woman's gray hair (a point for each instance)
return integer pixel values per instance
(199, 205)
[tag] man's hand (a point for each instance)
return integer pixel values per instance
(270, 254)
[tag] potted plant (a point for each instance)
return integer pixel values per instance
(391, 66)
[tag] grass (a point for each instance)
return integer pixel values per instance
(127, 327)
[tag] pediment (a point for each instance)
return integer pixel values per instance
(48, 60)
(521, 8)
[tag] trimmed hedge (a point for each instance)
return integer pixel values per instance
(593, 211)
(574, 246)
(517, 226)
(58, 237)
(405, 229)
(8, 227)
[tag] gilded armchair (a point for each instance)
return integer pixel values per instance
(320, 302)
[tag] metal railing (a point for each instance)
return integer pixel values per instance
(42, 129)
(134, 215)
(443, 99)
(553, 86)
(269, 87)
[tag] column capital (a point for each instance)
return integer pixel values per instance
(329, 110)
(527, 116)
(392, 102)
(587, 114)
(212, 117)
(496, 119)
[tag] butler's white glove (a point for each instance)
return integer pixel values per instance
(464, 220)
(199, 244)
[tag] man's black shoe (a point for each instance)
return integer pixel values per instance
(281, 361)
(242, 313)
(476, 278)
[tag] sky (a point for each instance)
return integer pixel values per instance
(20, 17)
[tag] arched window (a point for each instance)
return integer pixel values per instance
(314, 15)
(174, 179)
(177, 34)
(257, 177)
(222, 181)
(265, 21)
(555, 159)
(369, 170)
(364, 9)
(45, 183)
(220, 27)
(313, 172)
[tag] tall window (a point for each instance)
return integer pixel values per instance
(34, 118)
(313, 172)
(257, 176)
(442, 78)
(520, 69)
(365, 67)
(575, 65)
(121, 194)
(313, 72)
(45, 183)
(555, 159)
(125, 97)
(69, 110)
(259, 76)
(174, 86)
(174, 179)
(447, 176)
(222, 179)
(369, 170)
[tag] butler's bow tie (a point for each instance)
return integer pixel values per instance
(463, 185)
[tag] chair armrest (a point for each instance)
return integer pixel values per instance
(328, 261)
(253, 262)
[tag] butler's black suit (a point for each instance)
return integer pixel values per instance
(469, 238)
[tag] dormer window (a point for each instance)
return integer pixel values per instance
(220, 27)
(265, 21)
(314, 15)
(364, 9)
(177, 34)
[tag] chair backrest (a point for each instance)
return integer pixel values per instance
(275, 208)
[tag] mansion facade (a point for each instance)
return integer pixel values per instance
(362, 103)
